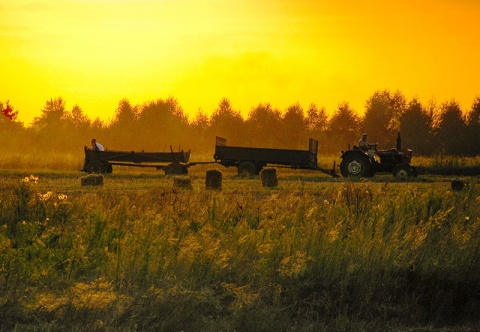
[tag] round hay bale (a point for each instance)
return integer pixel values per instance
(182, 182)
(458, 185)
(92, 180)
(269, 177)
(213, 180)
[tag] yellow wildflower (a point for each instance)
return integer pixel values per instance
(62, 197)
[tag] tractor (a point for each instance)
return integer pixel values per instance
(358, 163)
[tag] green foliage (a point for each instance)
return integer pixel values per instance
(304, 255)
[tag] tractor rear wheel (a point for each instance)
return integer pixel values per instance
(356, 166)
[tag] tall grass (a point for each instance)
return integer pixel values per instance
(448, 165)
(59, 160)
(303, 256)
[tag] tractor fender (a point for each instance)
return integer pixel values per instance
(357, 153)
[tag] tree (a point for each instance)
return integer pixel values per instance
(98, 125)
(161, 125)
(8, 119)
(473, 128)
(416, 129)
(382, 114)
(294, 128)
(343, 129)
(80, 120)
(52, 114)
(264, 127)
(199, 127)
(316, 123)
(227, 123)
(451, 130)
(80, 127)
(122, 131)
(52, 129)
(12, 131)
(317, 119)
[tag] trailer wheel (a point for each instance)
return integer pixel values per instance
(355, 166)
(246, 168)
(414, 172)
(402, 172)
(108, 168)
(175, 169)
(95, 167)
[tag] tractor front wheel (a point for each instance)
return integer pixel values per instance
(356, 166)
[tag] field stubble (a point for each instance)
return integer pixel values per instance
(313, 254)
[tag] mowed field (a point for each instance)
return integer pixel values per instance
(313, 253)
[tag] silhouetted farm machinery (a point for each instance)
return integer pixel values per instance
(355, 162)
(171, 162)
(359, 163)
(250, 161)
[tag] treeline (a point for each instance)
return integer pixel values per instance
(158, 125)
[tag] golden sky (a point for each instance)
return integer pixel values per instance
(94, 53)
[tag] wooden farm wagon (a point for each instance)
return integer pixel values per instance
(102, 161)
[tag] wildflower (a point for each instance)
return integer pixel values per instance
(31, 178)
(62, 197)
(46, 196)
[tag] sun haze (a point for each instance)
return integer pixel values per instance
(94, 53)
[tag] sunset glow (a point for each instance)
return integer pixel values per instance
(94, 53)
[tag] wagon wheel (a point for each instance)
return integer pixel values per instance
(402, 172)
(95, 167)
(246, 168)
(356, 166)
(108, 168)
(414, 171)
(174, 169)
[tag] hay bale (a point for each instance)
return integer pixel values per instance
(92, 180)
(458, 185)
(269, 177)
(182, 182)
(213, 180)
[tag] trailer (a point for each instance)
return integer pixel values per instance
(250, 161)
(102, 161)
